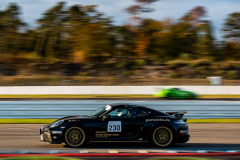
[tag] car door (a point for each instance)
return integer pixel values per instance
(179, 93)
(142, 115)
(121, 126)
(173, 93)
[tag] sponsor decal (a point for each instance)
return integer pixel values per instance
(54, 137)
(157, 120)
(143, 113)
(106, 135)
(114, 126)
(108, 107)
(101, 132)
(183, 131)
(56, 132)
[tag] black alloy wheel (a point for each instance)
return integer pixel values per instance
(75, 136)
(162, 136)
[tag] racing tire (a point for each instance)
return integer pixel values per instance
(191, 96)
(75, 136)
(169, 96)
(162, 136)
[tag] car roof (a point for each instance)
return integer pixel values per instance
(113, 105)
(173, 88)
(119, 104)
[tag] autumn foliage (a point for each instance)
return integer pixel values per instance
(81, 34)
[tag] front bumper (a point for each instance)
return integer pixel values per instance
(53, 137)
(159, 95)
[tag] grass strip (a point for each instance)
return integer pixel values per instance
(46, 121)
(105, 96)
(40, 158)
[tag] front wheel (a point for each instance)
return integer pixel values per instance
(75, 136)
(191, 96)
(162, 136)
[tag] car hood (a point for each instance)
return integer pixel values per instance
(69, 118)
(75, 117)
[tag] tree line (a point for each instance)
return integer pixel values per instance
(83, 34)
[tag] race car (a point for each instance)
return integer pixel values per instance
(175, 93)
(119, 122)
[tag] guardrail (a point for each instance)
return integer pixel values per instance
(113, 90)
(57, 109)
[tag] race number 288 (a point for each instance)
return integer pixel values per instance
(114, 126)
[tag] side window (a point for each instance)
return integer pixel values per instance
(143, 112)
(124, 112)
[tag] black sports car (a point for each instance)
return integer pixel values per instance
(118, 123)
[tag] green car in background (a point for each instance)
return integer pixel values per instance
(175, 93)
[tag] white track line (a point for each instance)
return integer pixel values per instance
(23, 151)
(83, 151)
(142, 151)
(112, 151)
(172, 151)
(231, 151)
(201, 151)
(53, 151)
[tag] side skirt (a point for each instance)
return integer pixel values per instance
(116, 141)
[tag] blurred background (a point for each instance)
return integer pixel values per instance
(81, 45)
(110, 46)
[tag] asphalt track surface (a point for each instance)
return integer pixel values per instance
(204, 137)
(220, 137)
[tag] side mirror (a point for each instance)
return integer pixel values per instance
(106, 117)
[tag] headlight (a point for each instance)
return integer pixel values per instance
(179, 122)
(57, 123)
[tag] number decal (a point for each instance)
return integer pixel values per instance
(114, 126)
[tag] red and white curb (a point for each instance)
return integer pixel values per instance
(57, 151)
(226, 154)
(117, 153)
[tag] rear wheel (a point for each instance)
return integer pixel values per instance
(162, 136)
(191, 96)
(75, 136)
(169, 95)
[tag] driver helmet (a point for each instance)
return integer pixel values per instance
(119, 112)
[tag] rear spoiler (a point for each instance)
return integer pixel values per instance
(178, 115)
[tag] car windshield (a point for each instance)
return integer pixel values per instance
(98, 112)
(176, 89)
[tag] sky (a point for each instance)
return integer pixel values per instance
(217, 10)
